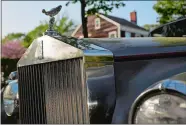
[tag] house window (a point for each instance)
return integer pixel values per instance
(122, 33)
(127, 34)
(97, 23)
(112, 34)
(132, 34)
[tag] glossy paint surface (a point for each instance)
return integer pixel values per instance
(133, 77)
(114, 85)
(175, 85)
(126, 79)
(141, 46)
(101, 84)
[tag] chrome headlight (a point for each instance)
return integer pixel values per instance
(160, 105)
(162, 108)
(10, 95)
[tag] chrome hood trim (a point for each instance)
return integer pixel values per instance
(98, 62)
(98, 56)
(91, 51)
(176, 83)
(47, 49)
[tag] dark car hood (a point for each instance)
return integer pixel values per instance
(140, 46)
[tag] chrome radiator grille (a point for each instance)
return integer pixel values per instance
(53, 93)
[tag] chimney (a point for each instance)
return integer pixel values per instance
(133, 17)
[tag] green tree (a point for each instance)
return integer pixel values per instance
(150, 27)
(91, 7)
(62, 25)
(169, 10)
(12, 37)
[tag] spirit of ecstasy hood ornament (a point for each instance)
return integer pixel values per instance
(52, 13)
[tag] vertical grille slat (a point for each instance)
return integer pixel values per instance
(57, 97)
(43, 104)
(53, 93)
(36, 92)
(78, 100)
(27, 98)
(46, 90)
(62, 108)
(58, 93)
(72, 97)
(65, 93)
(69, 82)
(32, 100)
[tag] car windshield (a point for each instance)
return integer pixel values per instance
(172, 29)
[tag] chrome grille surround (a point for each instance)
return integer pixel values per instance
(52, 87)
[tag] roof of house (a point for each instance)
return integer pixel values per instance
(123, 22)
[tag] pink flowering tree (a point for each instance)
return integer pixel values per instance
(12, 50)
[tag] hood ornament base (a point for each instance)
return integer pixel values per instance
(52, 13)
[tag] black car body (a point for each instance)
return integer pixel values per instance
(65, 80)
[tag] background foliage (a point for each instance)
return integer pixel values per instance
(12, 37)
(12, 50)
(61, 25)
(169, 10)
(11, 53)
(8, 66)
(14, 44)
(150, 27)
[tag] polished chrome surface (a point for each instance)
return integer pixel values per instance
(173, 84)
(92, 52)
(161, 108)
(176, 83)
(101, 83)
(157, 98)
(13, 75)
(52, 13)
(98, 67)
(98, 62)
(51, 50)
(133, 77)
(58, 91)
(100, 56)
(9, 97)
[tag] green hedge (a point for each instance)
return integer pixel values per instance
(8, 65)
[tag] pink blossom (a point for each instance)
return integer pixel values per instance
(12, 50)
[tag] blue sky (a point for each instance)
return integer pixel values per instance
(23, 16)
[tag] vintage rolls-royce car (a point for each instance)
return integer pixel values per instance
(69, 80)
